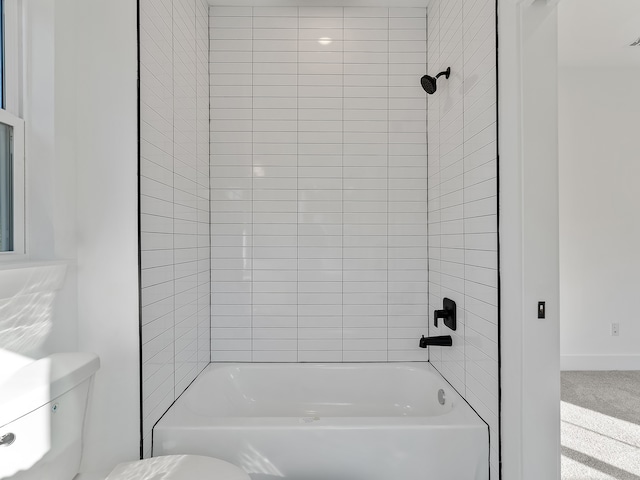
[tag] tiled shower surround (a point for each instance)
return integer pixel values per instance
(319, 189)
(336, 204)
(318, 184)
(174, 201)
(463, 188)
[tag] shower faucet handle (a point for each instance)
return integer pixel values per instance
(448, 314)
(439, 314)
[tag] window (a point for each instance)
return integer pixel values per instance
(12, 211)
(11, 183)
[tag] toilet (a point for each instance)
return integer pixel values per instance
(42, 410)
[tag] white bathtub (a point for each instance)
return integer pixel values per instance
(328, 422)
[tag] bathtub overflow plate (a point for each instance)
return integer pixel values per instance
(7, 439)
(441, 398)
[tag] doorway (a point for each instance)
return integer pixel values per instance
(599, 170)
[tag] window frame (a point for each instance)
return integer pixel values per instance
(18, 185)
(12, 74)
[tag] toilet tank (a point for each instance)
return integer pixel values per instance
(42, 411)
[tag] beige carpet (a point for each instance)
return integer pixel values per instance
(601, 425)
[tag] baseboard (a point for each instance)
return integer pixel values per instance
(600, 362)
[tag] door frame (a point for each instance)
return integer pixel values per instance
(529, 266)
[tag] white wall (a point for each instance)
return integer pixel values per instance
(318, 167)
(529, 347)
(105, 80)
(81, 175)
(599, 228)
(463, 189)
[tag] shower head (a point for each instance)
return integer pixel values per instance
(429, 83)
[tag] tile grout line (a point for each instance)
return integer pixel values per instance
(439, 181)
(298, 185)
(209, 199)
(342, 193)
(427, 229)
(252, 234)
(173, 169)
(464, 240)
(388, 134)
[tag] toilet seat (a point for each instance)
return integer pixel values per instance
(178, 467)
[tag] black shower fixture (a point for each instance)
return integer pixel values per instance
(429, 83)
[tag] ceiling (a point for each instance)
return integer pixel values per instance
(597, 33)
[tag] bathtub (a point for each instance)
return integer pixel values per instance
(328, 422)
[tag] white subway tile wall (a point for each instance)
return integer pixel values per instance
(462, 203)
(174, 201)
(318, 184)
(326, 232)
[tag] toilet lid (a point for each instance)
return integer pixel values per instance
(178, 467)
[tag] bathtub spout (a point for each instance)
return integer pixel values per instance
(441, 341)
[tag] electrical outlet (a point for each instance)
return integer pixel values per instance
(615, 329)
